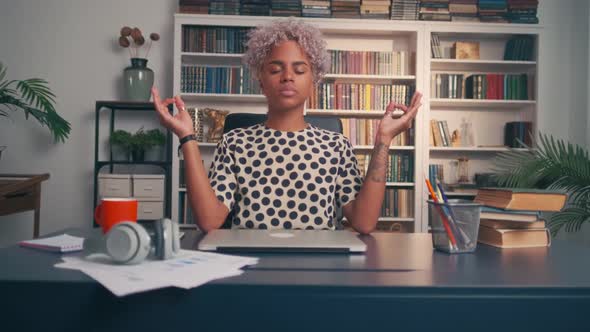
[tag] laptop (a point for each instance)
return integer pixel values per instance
(250, 240)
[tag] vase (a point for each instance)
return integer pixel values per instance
(138, 80)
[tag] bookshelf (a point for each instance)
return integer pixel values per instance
(487, 116)
(360, 35)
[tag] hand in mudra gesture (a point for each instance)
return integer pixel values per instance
(181, 123)
(391, 126)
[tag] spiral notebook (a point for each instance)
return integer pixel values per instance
(60, 243)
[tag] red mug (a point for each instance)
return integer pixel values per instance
(112, 211)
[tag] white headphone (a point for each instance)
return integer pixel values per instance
(130, 243)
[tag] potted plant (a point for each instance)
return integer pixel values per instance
(136, 145)
(157, 141)
(553, 164)
(120, 144)
(34, 98)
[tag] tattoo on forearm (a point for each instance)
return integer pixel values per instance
(378, 164)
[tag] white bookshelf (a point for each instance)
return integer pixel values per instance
(487, 116)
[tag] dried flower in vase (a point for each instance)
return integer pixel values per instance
(133, 39)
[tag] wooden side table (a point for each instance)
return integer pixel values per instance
(22, 192)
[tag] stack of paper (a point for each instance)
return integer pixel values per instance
(187, 270)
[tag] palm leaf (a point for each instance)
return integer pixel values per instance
(553, 164)
(34, 97)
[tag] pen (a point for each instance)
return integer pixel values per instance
(452, 219)
(442, 215)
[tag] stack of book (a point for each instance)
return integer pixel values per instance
(224, 7)
(316, 8)
(493, 11)
(346, 8)
(463, 10)
(510, 218)
(285, 8)
(434, 10)
(375, 9)
(193, 6)
(523, 11)
(255, 7)
(405, 9)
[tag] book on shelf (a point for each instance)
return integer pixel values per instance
(441, 135)
(398, 203)
(447, 86)
(499, 86)
(465, 50)
(514, 238)
(211, 39)
(519, 48)
(401, 166)
(362, 132)
(371, 62)
(522, 199)
(359, 96)
(518, 131)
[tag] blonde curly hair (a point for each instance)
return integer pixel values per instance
(264, 38)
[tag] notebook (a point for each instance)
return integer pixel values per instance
(60, 243)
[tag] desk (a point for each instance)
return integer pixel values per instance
(19, 193)
(535, 289)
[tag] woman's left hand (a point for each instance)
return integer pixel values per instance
(391, 126)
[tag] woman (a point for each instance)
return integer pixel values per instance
(285, 173)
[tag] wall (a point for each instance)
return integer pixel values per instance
(72, 44)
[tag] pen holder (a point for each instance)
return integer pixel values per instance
(455, 225)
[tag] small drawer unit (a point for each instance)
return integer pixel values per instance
(114, 185)
(148, 186)
(149, 208)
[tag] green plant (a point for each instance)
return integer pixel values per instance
(34, 97)
(121, 138)
(553, 164)
(139, 142)
(156, 137)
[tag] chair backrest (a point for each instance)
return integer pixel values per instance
(243, 120)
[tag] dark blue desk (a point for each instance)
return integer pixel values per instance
(538, 289)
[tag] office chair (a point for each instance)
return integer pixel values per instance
(243, 120)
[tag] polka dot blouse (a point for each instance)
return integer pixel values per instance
(276, 179)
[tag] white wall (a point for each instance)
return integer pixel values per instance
(72, 44)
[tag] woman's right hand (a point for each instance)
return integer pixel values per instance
(181, 124)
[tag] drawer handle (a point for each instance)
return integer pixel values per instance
(147, 188)
(147, 211)
(114, 188)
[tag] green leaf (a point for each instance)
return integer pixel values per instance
(553, 164)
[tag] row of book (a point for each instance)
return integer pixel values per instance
(436, 173)
(401, 166)
(482, 86)
(511, 217)
(370, 63)
(209, 79)
(213, 39)
(516, 11)
(519, 48)
(440, 134)
(362, 132)
(398, 203)
(359, 96)
(494, 11)
(518, 132)
(185, 214)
